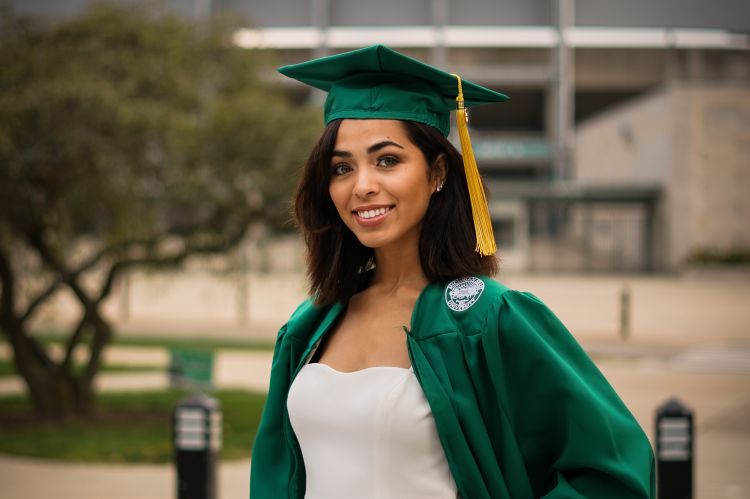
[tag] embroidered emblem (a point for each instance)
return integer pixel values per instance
(462, 293)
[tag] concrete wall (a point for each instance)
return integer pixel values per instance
(628, 143)
(720, 167)
(694, 141)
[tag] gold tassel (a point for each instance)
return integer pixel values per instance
(479, 209)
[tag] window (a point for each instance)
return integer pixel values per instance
(505, 232)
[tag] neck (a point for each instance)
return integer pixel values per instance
(399, 267)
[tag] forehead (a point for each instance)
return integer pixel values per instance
(365, 132)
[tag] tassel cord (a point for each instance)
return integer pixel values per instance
(480, 211)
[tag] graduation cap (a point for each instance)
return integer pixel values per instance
(379, 83)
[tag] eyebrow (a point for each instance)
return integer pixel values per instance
(370, 150)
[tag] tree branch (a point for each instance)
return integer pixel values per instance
(84, 267)
(177, 257)
(102, 331)
(36, 240)
(10, 324)
(73, 342)
(102, 335)
(40, 299)
(7, 303)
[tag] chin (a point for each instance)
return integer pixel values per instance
(371, 242)
(382, 238)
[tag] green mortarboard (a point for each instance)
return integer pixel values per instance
(378, 82)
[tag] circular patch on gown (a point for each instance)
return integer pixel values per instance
(462, 293)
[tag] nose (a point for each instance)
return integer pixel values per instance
(365, 183)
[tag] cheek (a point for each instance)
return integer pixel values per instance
(419, 189)
(338, 196)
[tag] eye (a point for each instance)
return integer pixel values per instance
(388, 161)
(341, 169)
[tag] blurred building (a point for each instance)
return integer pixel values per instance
(625, 144)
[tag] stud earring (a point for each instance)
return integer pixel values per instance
(440, 186)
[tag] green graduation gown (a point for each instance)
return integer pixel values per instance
(520, 409)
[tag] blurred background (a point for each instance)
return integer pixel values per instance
(148, 151)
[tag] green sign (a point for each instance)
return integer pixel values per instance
(191, 368)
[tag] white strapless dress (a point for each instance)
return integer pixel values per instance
(367, 434)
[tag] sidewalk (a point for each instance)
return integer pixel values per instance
(24, 478)
(690, 338)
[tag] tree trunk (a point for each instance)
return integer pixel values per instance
(55, 390)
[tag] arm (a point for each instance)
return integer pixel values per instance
(275, 472)
(577, 437)
(269, 471)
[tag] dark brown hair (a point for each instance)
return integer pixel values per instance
(337, 262)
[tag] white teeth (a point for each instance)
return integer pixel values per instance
(372, 213)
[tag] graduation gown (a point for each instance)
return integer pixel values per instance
(520, 409)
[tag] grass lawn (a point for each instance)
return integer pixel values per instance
(154, 340)
(132, 427)
(8, 369)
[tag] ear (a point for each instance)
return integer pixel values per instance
(439, 172)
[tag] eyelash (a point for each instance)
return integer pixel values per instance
(337, 168)
(390, 159)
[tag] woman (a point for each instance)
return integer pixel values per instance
(410, 372)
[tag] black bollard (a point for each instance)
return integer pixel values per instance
(196, 434)
(674, 451)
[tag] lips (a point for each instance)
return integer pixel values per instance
(369, 216)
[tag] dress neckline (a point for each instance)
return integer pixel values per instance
(360, 370)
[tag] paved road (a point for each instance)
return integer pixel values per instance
(690, 338)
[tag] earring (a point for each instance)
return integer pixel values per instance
(440, 186)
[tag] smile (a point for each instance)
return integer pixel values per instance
(373, 216)
(367, 214)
